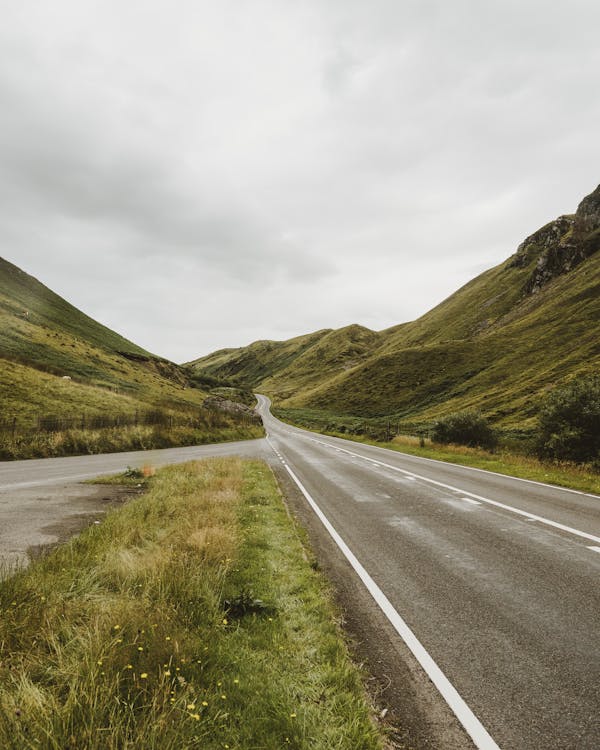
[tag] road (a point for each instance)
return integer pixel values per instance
(496, 578)
(486, 586)
(42, 501)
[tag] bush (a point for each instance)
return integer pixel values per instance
(569, 422)
(465, 428)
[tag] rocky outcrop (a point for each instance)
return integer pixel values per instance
(561, 245)
(217, 403)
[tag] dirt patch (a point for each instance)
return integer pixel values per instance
(92, 509)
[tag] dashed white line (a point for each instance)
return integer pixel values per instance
(594, 549)
(472, 725)
(472, 495)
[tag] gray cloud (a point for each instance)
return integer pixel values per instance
(199, 175)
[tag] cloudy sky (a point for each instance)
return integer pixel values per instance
(201, 174)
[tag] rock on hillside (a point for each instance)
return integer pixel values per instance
(562, 244)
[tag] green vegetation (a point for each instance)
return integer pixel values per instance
(507, 458)
(569, 423)
(208, 428)
(57, 363)
(190, 618)
(496, 346)
(464, 428)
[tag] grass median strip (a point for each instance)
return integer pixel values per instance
(190, 618)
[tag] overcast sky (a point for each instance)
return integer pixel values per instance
(198, 175)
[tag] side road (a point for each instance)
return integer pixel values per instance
(43, 501)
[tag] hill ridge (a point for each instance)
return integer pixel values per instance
(496, 344)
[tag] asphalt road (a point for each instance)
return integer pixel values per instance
(43, 501)
(496, 577)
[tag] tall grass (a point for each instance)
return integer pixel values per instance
(113, 439)
(189, 618)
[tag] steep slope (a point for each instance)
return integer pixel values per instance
(503, 372)
(497, 344)
(54, 359)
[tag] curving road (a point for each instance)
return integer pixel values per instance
(486, 586)
(495, 578)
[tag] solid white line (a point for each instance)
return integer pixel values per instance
(595, 549)
(495, 503)
(475, 729)
(468, 468)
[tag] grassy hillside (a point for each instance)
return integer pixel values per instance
(252, 364)
(56, 362)
(496, 345)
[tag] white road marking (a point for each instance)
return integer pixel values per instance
(470, 500)
(595, 549)
(487, 500)
(482, 471)
(472, 725)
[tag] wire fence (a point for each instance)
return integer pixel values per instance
(203, 418)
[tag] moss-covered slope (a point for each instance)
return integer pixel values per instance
(55, 360)
(497, 344)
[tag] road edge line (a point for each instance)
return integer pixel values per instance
(487, 500)
(471, 724)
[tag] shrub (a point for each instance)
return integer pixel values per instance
(569, 422)
(465, 428)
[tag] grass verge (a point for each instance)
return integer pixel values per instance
(525, 467)
(190, 618)
(562, 474)
(116, 439)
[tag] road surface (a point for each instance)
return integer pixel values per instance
(486, 585)
(42, 501)
(497, 579)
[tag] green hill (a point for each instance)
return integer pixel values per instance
(56, 361)
(497, 345)
(252, 364)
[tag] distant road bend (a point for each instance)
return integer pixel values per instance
(487, 584)
(491, 581)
